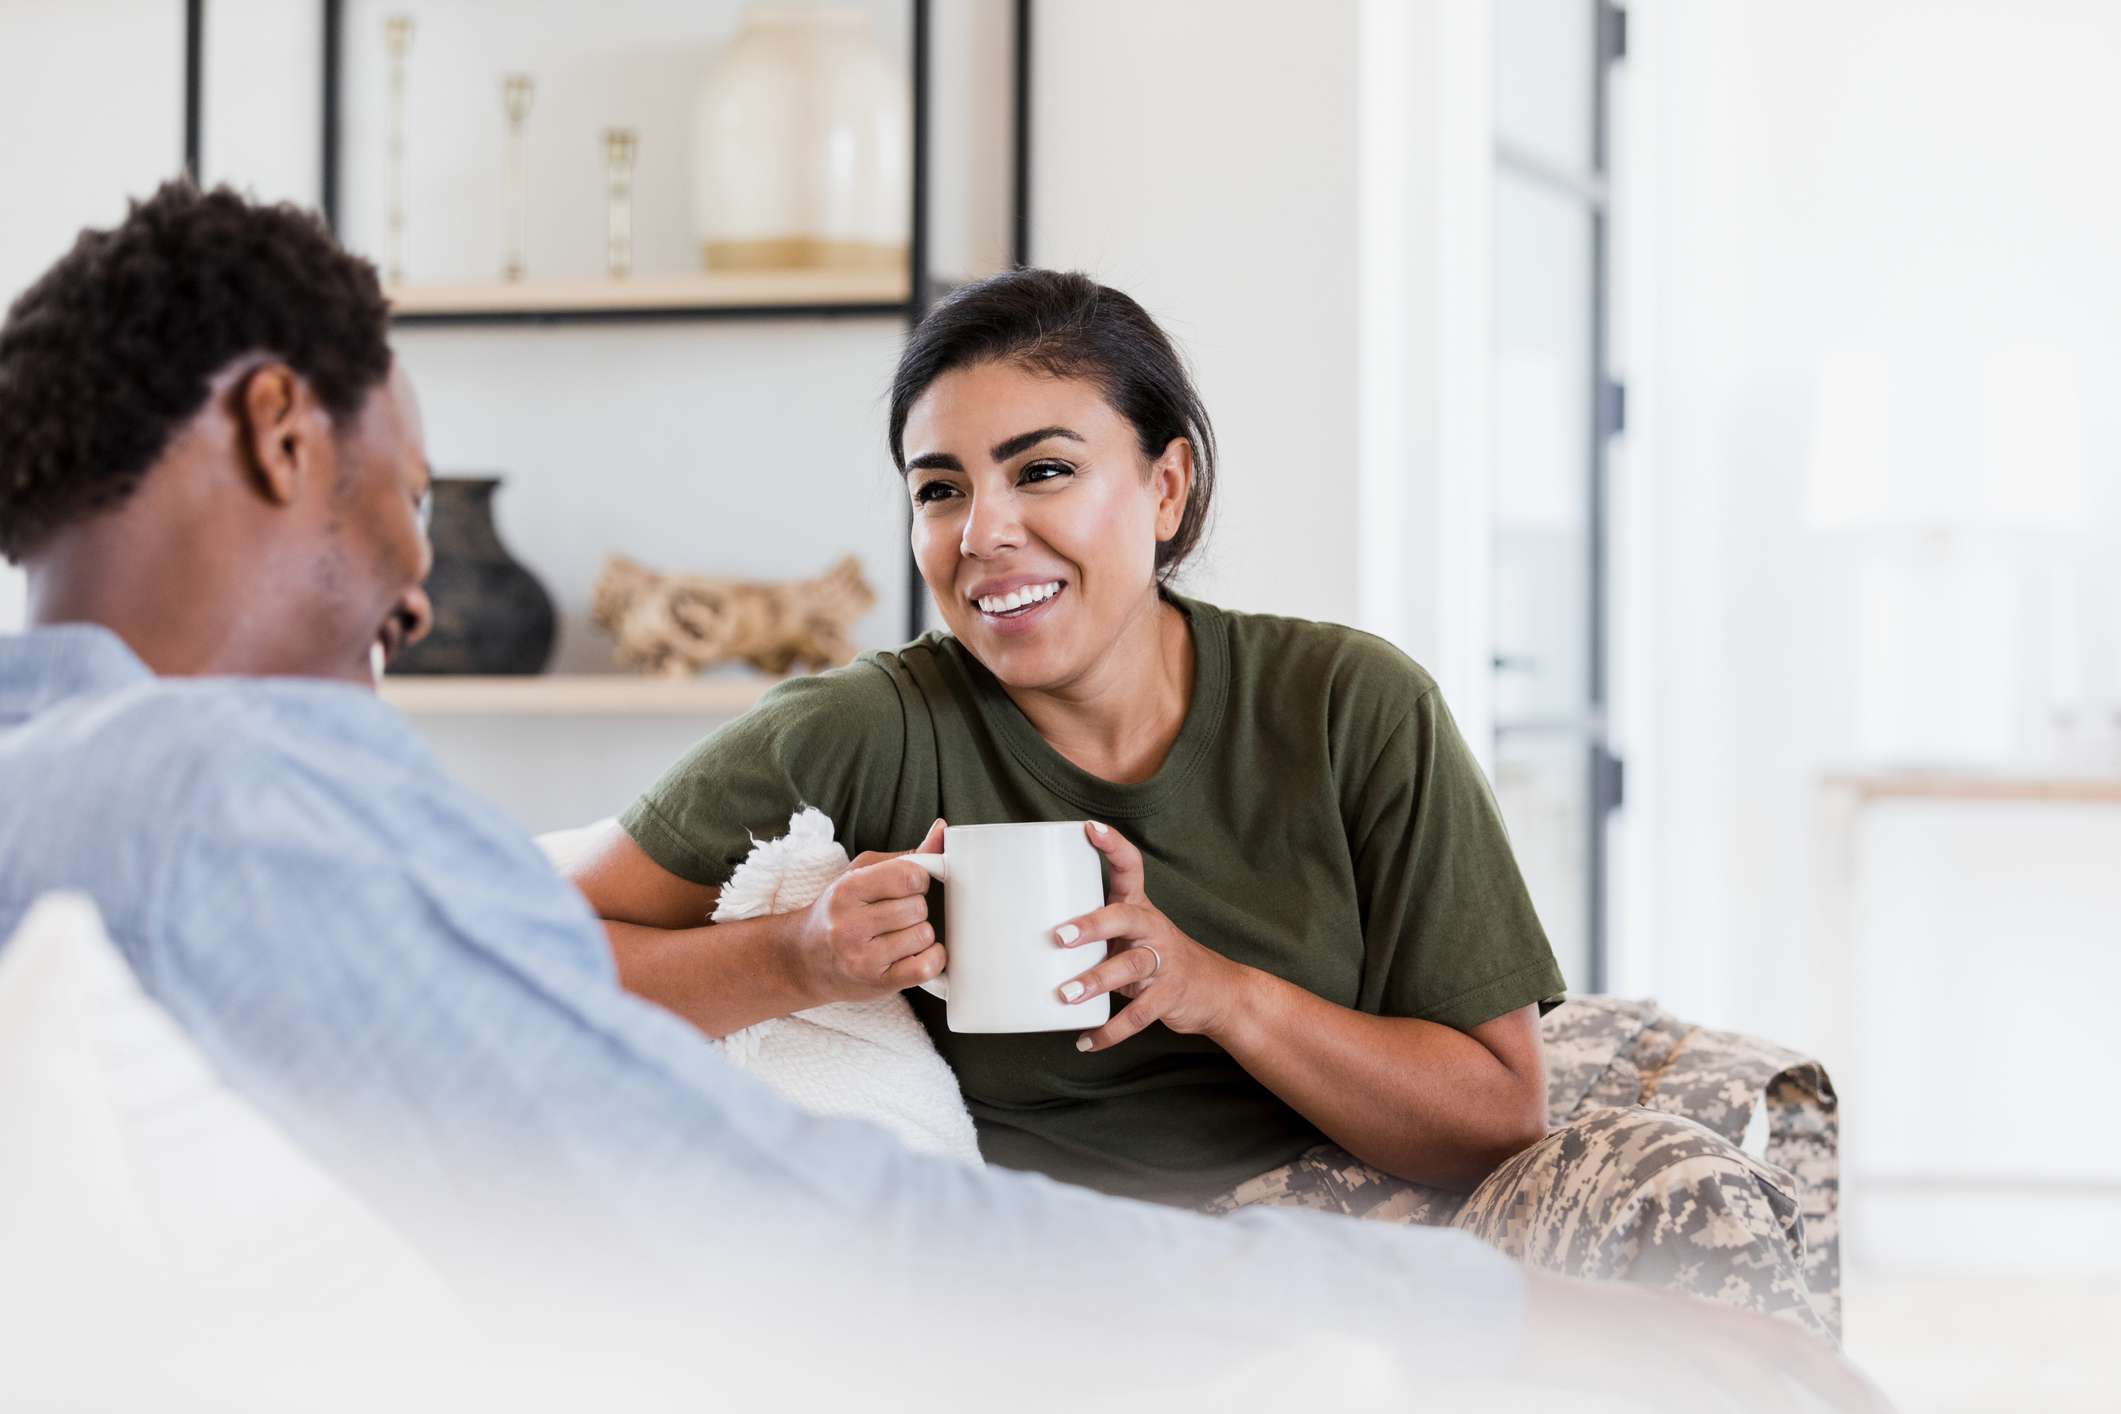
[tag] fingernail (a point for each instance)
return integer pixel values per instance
(1071, 990)
(1082, 1043)
(1067, 933)
(1099, 828)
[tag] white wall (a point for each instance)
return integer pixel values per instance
(14, 599)
(1424, 339)
(1204, 161)
(1925, 184)
(1923, 180)
(69, 153)
(1298, 196)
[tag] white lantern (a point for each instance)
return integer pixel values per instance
(802, 145)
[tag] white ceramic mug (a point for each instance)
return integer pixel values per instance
(1010, 886)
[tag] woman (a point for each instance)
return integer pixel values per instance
(1317, 927)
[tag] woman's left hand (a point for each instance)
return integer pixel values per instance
(1169, 977)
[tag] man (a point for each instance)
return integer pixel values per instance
(213, 470)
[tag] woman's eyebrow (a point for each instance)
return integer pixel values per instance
(1000, 451)
(1024, 441)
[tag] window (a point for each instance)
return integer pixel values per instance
(1555, 408)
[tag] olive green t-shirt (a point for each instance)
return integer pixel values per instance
(1318, 817)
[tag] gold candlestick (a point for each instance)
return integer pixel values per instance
(397, 38)
(621, 146)
(517, 90)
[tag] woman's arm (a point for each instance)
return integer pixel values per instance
(866, 936)
(1415, 1098)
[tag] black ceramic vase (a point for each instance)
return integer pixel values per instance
(491, 615)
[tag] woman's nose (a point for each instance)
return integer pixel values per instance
(991, 527)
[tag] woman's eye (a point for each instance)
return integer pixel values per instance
(1046, 471)
(932, 491)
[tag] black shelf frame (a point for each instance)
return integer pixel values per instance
(920, 280)
(194, 82)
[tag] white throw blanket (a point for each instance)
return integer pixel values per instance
(861, 1060)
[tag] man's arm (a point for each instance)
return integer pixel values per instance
(408, 990)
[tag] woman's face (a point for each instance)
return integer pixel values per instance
(1036, 518)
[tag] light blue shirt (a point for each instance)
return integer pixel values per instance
(395, 976)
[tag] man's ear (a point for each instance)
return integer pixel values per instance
(272, 406)
(1172, 476)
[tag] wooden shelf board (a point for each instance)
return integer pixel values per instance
(576, 695)
(704, 291)
(1948, 784)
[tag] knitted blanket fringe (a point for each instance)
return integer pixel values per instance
(859, 1060)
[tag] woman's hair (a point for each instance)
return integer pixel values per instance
(1066, 325)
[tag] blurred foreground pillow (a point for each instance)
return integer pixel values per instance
(133, 1173)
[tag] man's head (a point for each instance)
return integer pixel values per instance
(206, 445)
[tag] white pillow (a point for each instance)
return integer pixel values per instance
(868, 1060)
(70, 1209)
(130, 1165)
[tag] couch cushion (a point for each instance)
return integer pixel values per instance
(128, 1155)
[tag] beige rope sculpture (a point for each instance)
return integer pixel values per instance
(677, 624)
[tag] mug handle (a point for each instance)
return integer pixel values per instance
(938, 870)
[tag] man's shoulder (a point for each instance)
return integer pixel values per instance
(182, 753)
(240, 729)
(107, 788)
(145, 741)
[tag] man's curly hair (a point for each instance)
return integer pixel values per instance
(107, 355)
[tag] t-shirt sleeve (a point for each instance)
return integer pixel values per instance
(1450, 934)
(836, 741)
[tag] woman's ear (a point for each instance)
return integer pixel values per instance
(1172, 480)
(275, 418)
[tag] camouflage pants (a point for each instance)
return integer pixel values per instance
(1629, 1194)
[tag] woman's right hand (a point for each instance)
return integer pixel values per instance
(868, 934)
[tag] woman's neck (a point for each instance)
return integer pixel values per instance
(1119, 720)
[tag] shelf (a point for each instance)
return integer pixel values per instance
(740, 294)
(1946, 784)
(576, 695)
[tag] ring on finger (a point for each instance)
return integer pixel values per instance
(1150, 948)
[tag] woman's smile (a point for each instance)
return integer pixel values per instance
(1016, 605)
